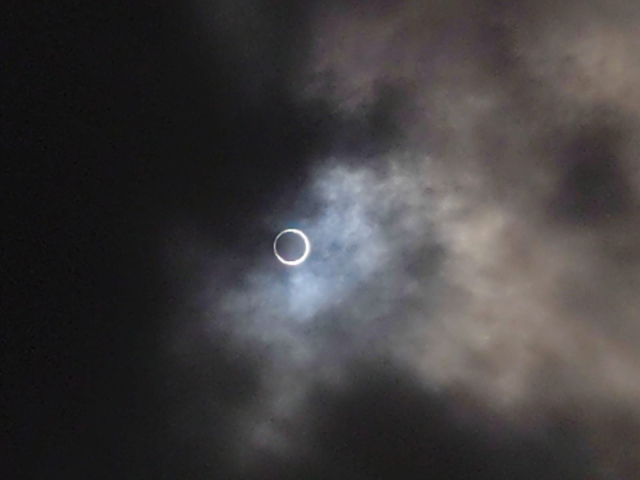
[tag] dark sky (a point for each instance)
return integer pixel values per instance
(469, 308)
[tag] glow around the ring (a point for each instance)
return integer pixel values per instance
(307, 247)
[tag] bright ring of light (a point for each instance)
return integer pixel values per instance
(307, 247)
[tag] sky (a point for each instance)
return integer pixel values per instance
(466, 174)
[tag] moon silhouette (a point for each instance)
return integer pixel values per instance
(307, 247)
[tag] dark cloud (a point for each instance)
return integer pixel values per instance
(594, 185)
(385, 424)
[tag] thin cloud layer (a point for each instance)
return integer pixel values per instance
(490, 249)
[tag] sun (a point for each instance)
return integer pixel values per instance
(307, 247)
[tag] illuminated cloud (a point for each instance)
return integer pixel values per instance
(477, 250)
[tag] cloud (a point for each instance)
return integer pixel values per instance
(477, 232)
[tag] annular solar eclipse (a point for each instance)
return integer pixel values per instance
(305, 250)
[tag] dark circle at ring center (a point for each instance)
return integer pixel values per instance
(291, 246)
